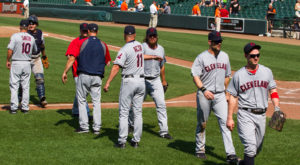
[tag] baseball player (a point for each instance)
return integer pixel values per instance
(154, 68)
(73, 49)
(249, 88)
(19, 52)
(36, 62)
(131, 59)
(211, 71)
(92, 59)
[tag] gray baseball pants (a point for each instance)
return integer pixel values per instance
(251, 129)
(75, 103)
(155, 89)
(220, 107)
(131, 94)
(89, 84)
(20, 72)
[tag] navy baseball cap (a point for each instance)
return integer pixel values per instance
(129, 30)
(84, 26)
(93, 27)
(24, 23)
(151, 31)
(215, 36)
(250, 46)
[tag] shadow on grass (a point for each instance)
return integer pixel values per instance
(112, 134)
(149, 128)
(189, 147)
(73, 122)
(34, 100)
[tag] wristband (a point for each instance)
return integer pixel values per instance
(274, 95)
(203, 89)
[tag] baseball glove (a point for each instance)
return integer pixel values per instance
(277, 120)
(45, 62)
(165, 87)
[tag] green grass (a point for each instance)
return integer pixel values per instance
(57, 92)
(47, 137)
(282, 59)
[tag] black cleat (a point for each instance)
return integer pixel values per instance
(232, 159)
(120, 145)
(200, 155)
(79, 130)
(13, 111)
(24, 111)
(43, 102)
(166, 136)
(134, 144)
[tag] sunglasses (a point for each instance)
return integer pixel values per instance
(152, 36)
(254, 55)
(217, 42)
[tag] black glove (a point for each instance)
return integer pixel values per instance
(165, 87)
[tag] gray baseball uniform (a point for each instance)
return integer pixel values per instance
(22, 44)
(154, 86)
(131, 59)
(252, 91)
(212, 71)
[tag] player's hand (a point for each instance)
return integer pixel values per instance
(64, 78)
(164, 83)
(8, 64)
(209, 95)
(230, 124)
(106, 87)
(108, 63)
(158, 58)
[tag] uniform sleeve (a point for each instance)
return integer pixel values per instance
(107, 55)
(196, 67)
(228, 68)
(164, 58)
(121, 58)
(42, 38)
(272, 83)
(233, 86)
(11, 44)
(70, 48)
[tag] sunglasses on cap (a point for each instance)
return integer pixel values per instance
(217, 42)
(254, 55)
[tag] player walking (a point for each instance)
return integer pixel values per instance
(36, 62)
(154, 56)
(131, 59)
(91, 63)
(211, 71)
(249, 88)
(19, 52)
(73, 49)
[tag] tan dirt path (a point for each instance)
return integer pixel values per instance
(288, 91)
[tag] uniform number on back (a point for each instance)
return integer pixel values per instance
(139, 60)
(26, 48)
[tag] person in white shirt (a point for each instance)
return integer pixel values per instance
(139, 6)
(153, 15)
(26, 8)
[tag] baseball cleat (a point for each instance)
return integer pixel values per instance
(24, 111)
(134, 144)
(13, 111)
(120, 145)
(166, 136)
(232, 159)
(79, 130)
(43, 102)
(200, 155)
(96, 132)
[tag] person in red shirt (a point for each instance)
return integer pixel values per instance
(71, 51)
(89, 2)
(112, 3)
(224, 12)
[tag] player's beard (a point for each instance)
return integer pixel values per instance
(215, 50)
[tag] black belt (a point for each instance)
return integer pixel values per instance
(132, 76)
(150, 78)
(255, 111)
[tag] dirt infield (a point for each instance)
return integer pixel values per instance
(288, 91)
